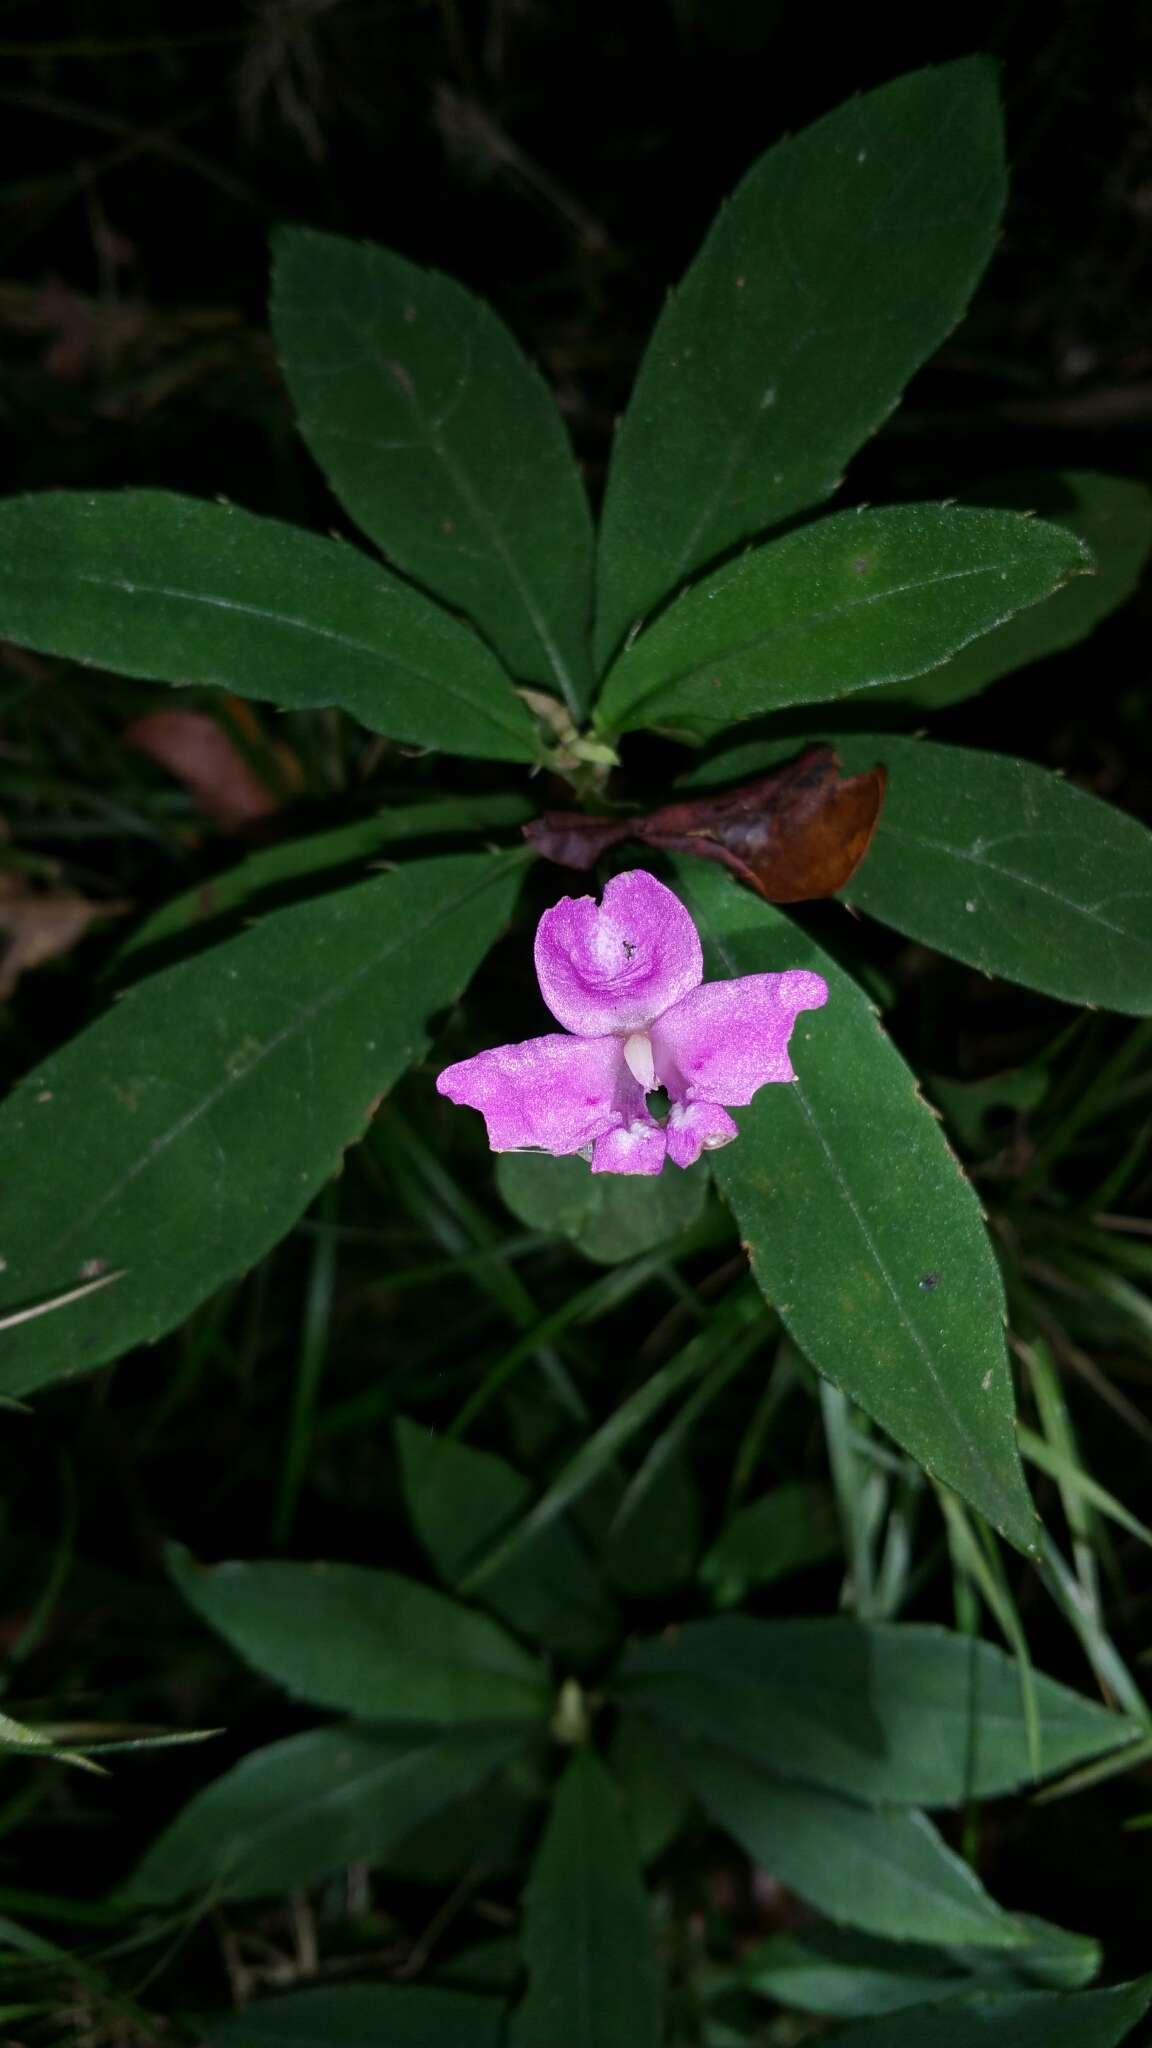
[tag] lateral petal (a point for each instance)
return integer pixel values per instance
(722, 1042)
(553, 1094)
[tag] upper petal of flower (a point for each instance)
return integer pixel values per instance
(722, 1042)
(617, 965)
(556, 1094)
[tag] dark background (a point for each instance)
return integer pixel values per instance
(562, 157)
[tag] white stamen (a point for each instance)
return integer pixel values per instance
(638, 1060)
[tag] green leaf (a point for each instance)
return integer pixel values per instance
(837, 268)
(793, 1526)
(1021, 2019)
(461, 1500)
(861, 1227)
(369, 1643)
(886, 1871)
(658, 1805)
(608, 1217)
(901, 1714)
(181, 1135)
(360, 2016)
(444, 443)
(1011, 869)
(1113, 516)
(732, 1332)
(853, 601)
(843, 1974)
(289, 1814)
(587, 1937)
(150, 584)
(213, 905)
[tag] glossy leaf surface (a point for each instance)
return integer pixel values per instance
(444, 443)
(201, 1113)
(834, 609)
(1012, 869)
(183, 591)
(290, 1814)
(460, 1500)
(837, 267)
(901, 1714)
(861, 1228)
(587, 1935)
(366, 1642)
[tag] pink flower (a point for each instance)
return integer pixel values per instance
(626, 980)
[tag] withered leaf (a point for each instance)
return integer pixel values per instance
(199, 751)
(37, 925)
(797, 833)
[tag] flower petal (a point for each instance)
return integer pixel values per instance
(637, 1148)
(554, 1094)
(722, 1042)
(696, 1127)
(617, 965)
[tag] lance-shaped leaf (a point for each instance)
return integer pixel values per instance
(887, 1871)
(860, 1225)
(905, 1715)
(360, 2016)
(844, 1974)
(369, 1643)
(587, 1935)
(850, 602)
(151, 584)
(1113, 516)
(1009, 867)
(444, 443)
(783, 1531)
(836, 269)
(289, 1814)
(461, 1499)
(179, 1137)
(1011, 2019)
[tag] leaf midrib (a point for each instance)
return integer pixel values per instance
(979, 860)
(955, 1420)
(335, 993)
(309, 629)
(799, 627)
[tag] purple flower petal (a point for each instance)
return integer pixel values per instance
(553, 1094)
(617, 965)
(697, 1127)
(722, 1042)
(636, 1148)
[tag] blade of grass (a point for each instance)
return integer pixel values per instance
(1112, 1674)
(861, 1492)
(744, 1342)
(460, 1225)
(786, 1374)
(314, 1333)
(610, 1291)
(603, 1448)
(976, 1552)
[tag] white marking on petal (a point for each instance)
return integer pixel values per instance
(638, 1060)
